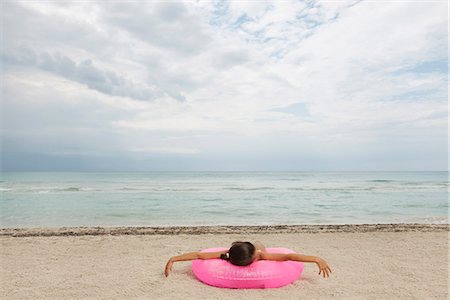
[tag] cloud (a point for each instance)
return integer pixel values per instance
(84, 72)
(300, 81)
(169, 25)
(232, 58)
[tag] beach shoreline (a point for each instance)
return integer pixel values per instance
(232, 229)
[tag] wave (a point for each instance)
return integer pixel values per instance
(422, 205)
(71, 189)
(150, 190)
(129, 189)
(45, 190)
(381, 180)
(248, 189)
(344, 189)
(219, 187)
(214, 212)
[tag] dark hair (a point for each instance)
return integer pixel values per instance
(240, 253)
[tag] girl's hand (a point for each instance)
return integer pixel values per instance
(323, 267)
(168, 267)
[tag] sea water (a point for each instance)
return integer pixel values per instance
(53, 199)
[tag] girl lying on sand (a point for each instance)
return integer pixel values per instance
(244, 253)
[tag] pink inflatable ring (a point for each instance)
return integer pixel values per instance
(258, 275)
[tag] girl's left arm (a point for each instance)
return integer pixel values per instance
(321, 263)
(191, 256)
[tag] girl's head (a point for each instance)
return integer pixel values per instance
(240, 253)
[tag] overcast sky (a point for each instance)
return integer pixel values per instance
(224, 85)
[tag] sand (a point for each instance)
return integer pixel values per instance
(368, 262)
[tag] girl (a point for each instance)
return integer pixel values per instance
(244, 253)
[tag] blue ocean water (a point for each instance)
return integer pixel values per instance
(53, 199)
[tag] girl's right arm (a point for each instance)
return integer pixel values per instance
(323, 266)
(191, 256)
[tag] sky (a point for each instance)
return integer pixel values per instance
(224, 85)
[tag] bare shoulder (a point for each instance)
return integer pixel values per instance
(259, 246)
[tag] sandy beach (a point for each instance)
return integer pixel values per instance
(393, 261)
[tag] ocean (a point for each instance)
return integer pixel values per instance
(56, 199)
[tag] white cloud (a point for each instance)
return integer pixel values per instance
(140, 74)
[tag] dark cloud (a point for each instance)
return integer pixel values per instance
(84, 72)
(33, 39)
